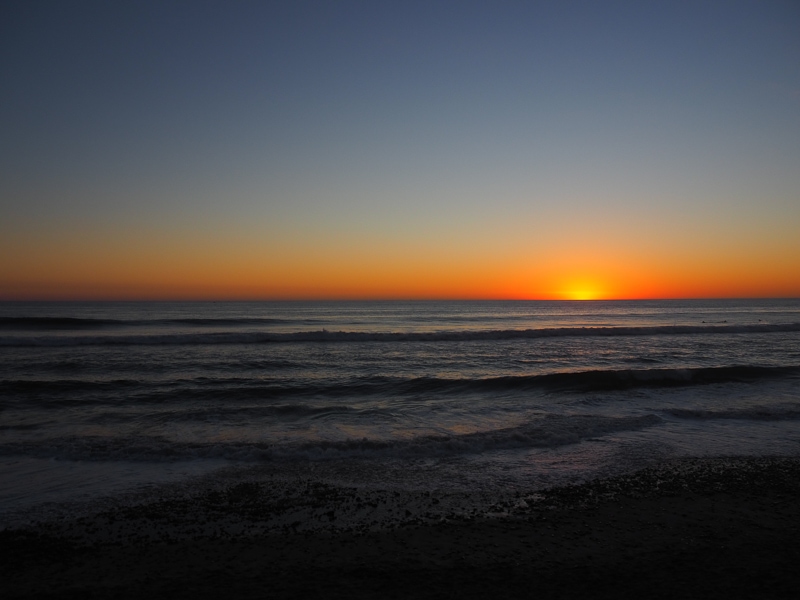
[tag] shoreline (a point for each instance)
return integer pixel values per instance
(706, 528)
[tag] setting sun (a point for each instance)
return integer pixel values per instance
(582, 294)
(583, 289)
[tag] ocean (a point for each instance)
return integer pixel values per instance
(476, 399)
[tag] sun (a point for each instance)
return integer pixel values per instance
(583, 290)
(582, 294)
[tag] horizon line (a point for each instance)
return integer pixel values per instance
(398, 299)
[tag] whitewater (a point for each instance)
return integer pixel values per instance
(99, 400)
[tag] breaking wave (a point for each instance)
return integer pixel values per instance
(73, 392)
(551, 431)
(756, 413)
(78, 323)
(236, 337)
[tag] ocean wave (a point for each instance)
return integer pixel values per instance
(228, 413)
(236, 337)
(609, 380)
(79, 323)
(755, 413)
(586, 381)
(54, 323)
(548, 432)
(579, 381)
(70, 391)
(60, 386)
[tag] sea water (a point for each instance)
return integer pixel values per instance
(98, 399)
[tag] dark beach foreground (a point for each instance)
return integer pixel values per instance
(704, 528)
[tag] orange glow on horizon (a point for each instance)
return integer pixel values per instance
(230, 265)
(245, 287)
(583, 288)
(583, 293)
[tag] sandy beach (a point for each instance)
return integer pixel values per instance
(725, 528)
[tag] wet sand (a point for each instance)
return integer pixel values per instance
(693, 529)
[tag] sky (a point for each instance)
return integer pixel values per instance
(503, 149)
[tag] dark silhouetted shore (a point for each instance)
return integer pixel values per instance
(693, 529)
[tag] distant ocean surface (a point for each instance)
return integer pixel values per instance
(98, 399)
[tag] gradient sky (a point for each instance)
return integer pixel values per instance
(399, 149)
